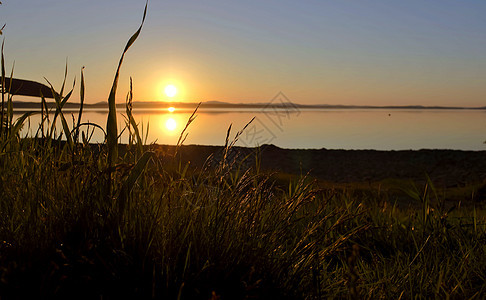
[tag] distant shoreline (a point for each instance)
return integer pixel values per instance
(144, 105)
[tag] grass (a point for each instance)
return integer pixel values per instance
(109, 221)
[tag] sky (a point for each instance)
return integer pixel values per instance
(348, 52)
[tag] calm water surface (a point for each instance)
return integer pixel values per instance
(331, 129)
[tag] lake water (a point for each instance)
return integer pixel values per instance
(379, 129)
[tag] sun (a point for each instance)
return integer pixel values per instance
(171, 109)
(170, 90)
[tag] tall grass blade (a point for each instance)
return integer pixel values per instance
(15, 130)
(147, 132)
(30, 88)
(44, 110)
(128, 110)
(89, 124)
(81, 104)
(20, 122)
(65, 76)
(59, 105)
(9, 102)
(131, 120)
(111, 126)
(182, 138)
(3, 89)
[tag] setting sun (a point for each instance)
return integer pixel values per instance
(170, 90)
(171, 109)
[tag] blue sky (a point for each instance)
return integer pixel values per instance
(337, 52)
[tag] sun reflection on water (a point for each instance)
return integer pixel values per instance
(171, 124)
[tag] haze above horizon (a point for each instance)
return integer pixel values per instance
(338, 53)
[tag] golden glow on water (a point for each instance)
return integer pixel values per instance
(171, 124)
(171, 109)
(380, 129)
(169, 127)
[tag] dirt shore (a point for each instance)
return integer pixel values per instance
(447, 168)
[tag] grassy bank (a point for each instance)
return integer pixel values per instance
(108, 221)
(187, 233)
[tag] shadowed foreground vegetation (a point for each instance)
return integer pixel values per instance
(189, 233)
(107, 221)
